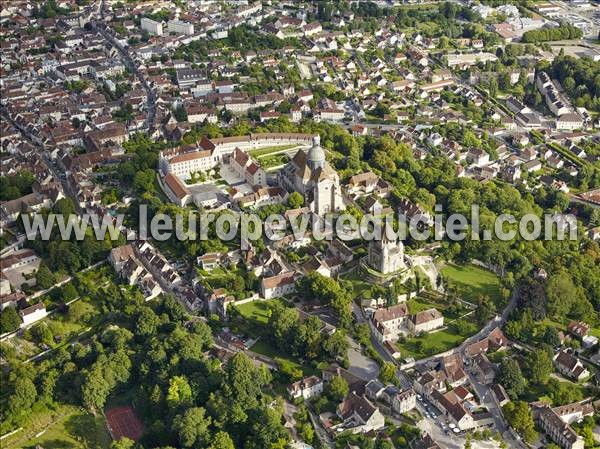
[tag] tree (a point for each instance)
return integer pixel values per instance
(384, 444)
(180, 392)
(520, 418)
(563, 393)
(283, 322)
(69, 292)
(595, 218)
(147, 322)
(23, 396)
(511, 378)
(309, 337)
(42, 334)
(329, 291)
(468, 442)
(336, 345)
(191, 427)
(388, 372)
(551, 336)
(180, 114)
(485, 309)
(562, 294)
(95, 388)
(241, 385)
(267, 430)
(338, 388)
(103, 376)
(493, 87)
(295, 200)
(122, 443)
(64, 207)
(44, 277)
(531, 295)
(538, 366)
(221, 440)
(9, 320)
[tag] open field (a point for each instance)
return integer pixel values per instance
(469, 282)
(429, 344)
(272, 161)
(67, 427)
(257, 311)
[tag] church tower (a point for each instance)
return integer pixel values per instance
(316, 156)
(386, 255)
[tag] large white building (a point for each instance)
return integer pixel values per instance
(183, 165)
(180, 27)
(388, 323)
(151, 26)
(469, 59)
(425, 321)
(569, 121)
(309, 174)
(33, 313)
(208, 153)
(306, 388)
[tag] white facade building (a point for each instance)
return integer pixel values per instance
(180, 27)
(33, 313)
(151, 26)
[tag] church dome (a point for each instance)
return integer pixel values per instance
(316, 155)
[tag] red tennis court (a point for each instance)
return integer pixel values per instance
(122, 422)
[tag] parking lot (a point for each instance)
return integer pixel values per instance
(443, 431)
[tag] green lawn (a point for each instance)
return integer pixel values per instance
(471, 281)
(269, 150)
(419, 304)
(67, 427)
(257, 311)
(431, 344)
(361, 288)
(275, 160)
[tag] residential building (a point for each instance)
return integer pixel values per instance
(180, 27)
(33, 313)
(569, 121)
(306, 388)
(359, 415)
(425, 321)
(151, 26)
(570, 366)
(404, 401)
(388, 323)
(276, 286)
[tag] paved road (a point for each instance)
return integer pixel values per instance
(361, 365)
(105, 32)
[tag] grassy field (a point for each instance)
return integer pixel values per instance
(361, 288)
(419, 304)
(257, 311)
(430, 344)
(67, 427)
(272, 161)
(470, 282)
